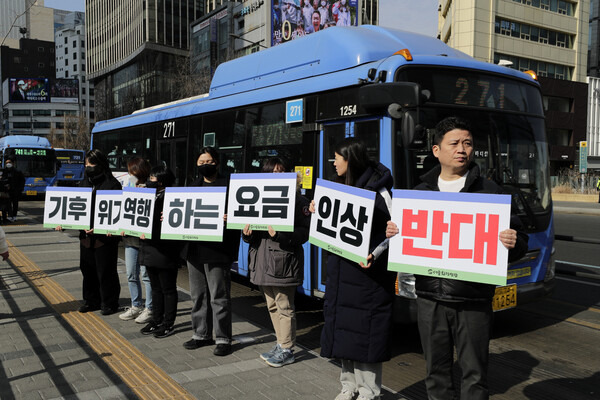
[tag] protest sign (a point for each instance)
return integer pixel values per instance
(194, 213)
(137, 211)
(262, 200)
(342, 220)
(68, 207)
(107, 211)
(450, 235)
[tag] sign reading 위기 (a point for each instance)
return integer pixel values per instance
(107, 212)
(137, 211)
(342, 220)
(450, 235)
(194, 213)
(261, 200)
(70, 208)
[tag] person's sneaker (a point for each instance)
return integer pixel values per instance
(88, 307)
(131, 313)
(163, 331)
(194, 344)
(149, 329)
(284, 357)
(276, 349)
(346, 395)
(109, 310)
(222, 349)
(144, 317)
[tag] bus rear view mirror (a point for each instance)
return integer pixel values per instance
(382, 95)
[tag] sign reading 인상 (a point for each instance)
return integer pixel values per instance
(107, 211)
(342, 220)
(137, 211)
(262, 200)
(70, 208)
(194, 213)
(450, 235)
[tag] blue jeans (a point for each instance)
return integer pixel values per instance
(133, 278)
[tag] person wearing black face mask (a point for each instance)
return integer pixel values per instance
(16, 184)
(209, 265)
(99, 253)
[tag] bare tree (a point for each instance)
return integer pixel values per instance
(187, 81)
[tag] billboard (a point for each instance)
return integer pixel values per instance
(292, 19)
(28, 90)
(64, 91)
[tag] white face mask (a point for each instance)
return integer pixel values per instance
(343, 2)
(9, 165)
(323, 3)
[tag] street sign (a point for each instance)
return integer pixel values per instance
(583, 154)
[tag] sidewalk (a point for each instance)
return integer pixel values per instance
(50, 351)
(576, 207)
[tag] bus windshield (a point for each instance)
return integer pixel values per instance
(33, 162)
(508, 131)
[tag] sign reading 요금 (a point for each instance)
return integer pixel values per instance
(450, 235)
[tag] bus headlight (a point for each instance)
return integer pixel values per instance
(551, 270)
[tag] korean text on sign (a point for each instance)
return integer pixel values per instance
(68, 207)
(107, 211)
(450, 235)
(262, 200)
(194, 213)
(342, 220)
(137, 211)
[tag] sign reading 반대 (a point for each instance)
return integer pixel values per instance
(450, 235)
(70, 208)
(262, 200)
(194, 213)
(342, 220)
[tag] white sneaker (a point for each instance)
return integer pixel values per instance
(131, 313)
(346, 395)
(144, 317)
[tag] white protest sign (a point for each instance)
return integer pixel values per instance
(137, 211)
(68, 207)
(450, 235)
(342, 220)
(107, 211)
(194, 213)
(262, 200)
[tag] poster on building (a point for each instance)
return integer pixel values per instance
(67, 207)
(450, 235)
(64, 91)
(342, 220)
(194, 213)
(292, 19)
(262, 200)
(29, 90)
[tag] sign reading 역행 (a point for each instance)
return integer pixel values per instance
(450, 235)
(194, 213)
(342, 220)
(107, 212)
(262, 200)
(70, 208)
(137, 211)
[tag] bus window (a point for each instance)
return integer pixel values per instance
(333, 134)
(368, 132)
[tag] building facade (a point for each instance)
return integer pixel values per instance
(549, 37)
(134, 50)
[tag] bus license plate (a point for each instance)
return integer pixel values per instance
(31, 192)
(68, 176)
(505, 297)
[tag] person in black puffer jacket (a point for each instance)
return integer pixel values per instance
(160, 257)
(276, 265)
(453, 312)
(358, 298)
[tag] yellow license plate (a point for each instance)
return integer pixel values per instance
(31, 193)
(68, 176)
(505, 297)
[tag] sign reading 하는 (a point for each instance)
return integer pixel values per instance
(70, 208)
(194, 213)
(342, 220)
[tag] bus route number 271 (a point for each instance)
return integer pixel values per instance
(346, 111)
(169, 129)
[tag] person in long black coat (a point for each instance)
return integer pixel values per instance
(358, 298)
(99, 253)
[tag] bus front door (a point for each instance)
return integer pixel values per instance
(173, 154)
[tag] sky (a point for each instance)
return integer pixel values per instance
(409, 15)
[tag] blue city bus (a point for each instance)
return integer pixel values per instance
(34, 157)
(71, 166)
(387, 87)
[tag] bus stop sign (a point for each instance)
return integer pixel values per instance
(583, 153)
